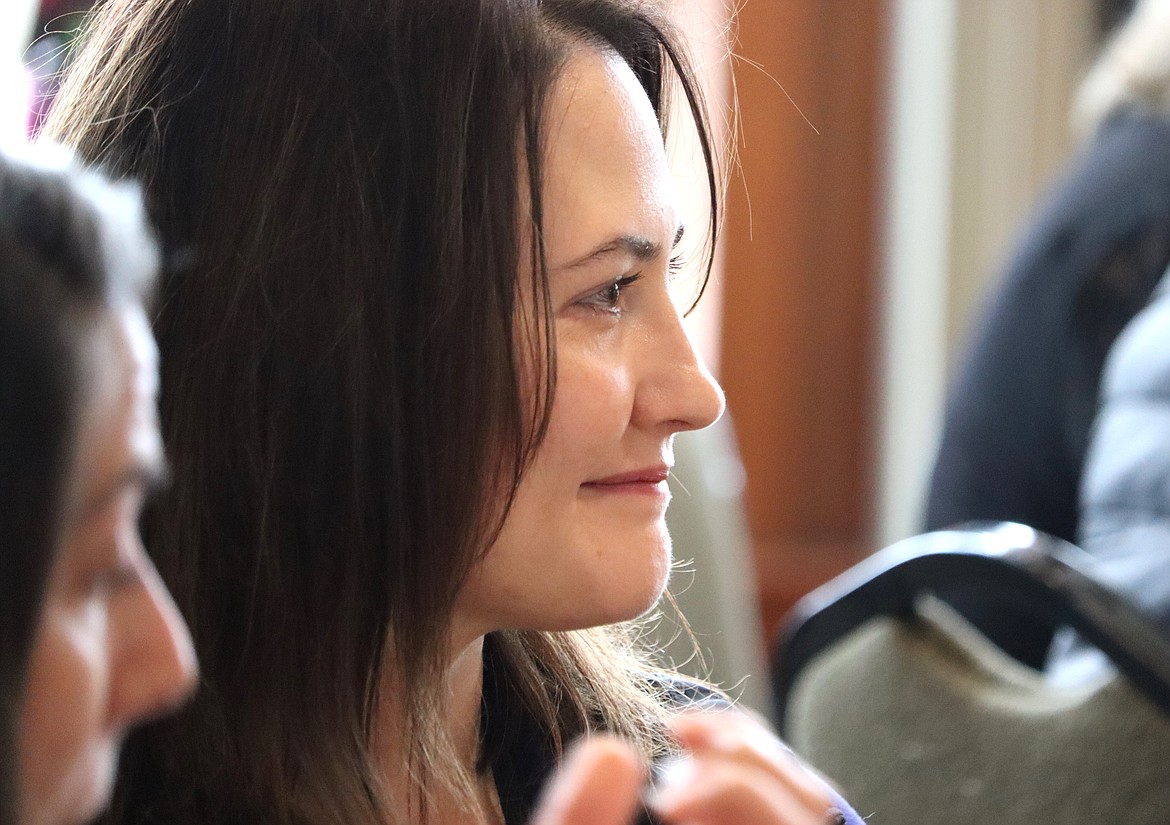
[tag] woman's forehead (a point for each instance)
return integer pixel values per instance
(118, 433)
(605, 171)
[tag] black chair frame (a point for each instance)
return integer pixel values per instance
(1013, 564)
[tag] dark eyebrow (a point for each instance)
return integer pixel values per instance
(639, 248)
(148, 475)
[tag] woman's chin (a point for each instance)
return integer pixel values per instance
(621, 605)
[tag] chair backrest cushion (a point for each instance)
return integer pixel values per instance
(922, 720)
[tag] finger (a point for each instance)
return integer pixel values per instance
(735, 737)
(724, 793)
(704, 725)
(597, 784)
(746, 719)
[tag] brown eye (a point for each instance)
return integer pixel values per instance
(608, 298)
(610, 295)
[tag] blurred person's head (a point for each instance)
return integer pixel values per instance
(1133, 68)
(90, 642)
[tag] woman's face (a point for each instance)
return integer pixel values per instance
(585, 542)
(111, 649)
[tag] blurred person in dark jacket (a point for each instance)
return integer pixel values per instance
(1018, 417)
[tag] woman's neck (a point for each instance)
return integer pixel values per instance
(462, 698)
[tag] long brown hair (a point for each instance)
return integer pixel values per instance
(341, 390)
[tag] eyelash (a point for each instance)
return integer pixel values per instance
(608, 298)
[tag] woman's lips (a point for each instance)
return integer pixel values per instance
(650, 480)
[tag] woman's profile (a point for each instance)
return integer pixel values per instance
(90, 642)
(420, 383)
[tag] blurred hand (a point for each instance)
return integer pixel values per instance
(735, 771)
(597, 784)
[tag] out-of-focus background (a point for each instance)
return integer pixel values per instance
(886, 153)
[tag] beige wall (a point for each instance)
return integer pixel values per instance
(1018, 65)
(16, 23)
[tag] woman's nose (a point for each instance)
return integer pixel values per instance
(678, 392)
(154, 667)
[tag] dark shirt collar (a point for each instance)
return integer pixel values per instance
(513, 744)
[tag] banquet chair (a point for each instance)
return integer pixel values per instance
(920, 719)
